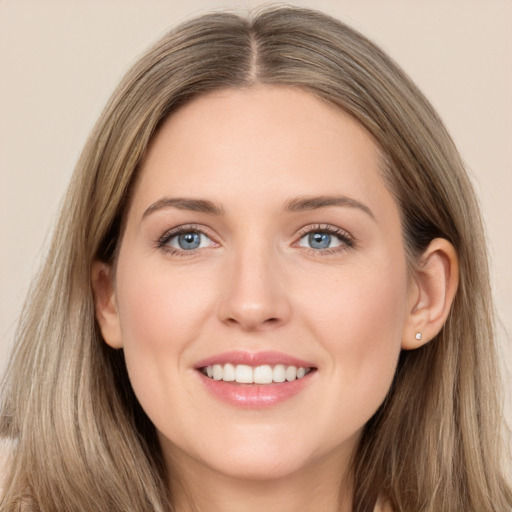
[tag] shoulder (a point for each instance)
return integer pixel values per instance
(6, 449)
(383, 506)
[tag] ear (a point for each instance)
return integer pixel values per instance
(431, 293)
(105, 304)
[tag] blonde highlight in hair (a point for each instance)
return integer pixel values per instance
(82, 441)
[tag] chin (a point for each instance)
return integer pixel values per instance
(260, 467)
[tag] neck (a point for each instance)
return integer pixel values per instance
(318, 486)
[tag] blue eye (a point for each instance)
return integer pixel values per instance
(321, 240)
(188, 241)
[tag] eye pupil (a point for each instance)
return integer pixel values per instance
(319, 240)
(188, 241)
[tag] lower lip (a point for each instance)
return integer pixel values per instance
(255, 396)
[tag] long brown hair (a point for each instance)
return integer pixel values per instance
(82, 441)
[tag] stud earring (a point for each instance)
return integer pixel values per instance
(419, 336)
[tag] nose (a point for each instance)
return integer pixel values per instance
(255, 297)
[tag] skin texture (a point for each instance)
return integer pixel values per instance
(256, 285)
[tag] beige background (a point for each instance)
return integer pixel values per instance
(59, 61)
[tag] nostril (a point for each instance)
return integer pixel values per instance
(252, 324)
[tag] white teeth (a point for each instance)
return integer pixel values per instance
(291, 373)
(264, 374)
(279, 373)
(243, 374)
(217, 372)
(229, 373)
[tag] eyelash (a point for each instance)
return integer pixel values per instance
(347, 240)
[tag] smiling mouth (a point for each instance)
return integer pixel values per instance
(263, 374)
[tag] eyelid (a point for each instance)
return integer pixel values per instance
(326, 228)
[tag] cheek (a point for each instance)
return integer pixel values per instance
(161, 314)
(360, 325)
(159, 309)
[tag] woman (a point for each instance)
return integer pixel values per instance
(268, 288)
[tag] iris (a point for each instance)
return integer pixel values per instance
(189, 241)
(319, 240)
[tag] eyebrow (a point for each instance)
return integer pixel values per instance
(316, 202)
(298, 204)
(182, 203)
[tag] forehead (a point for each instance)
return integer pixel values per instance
(261, 142)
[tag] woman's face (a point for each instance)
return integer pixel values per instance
(261, 239)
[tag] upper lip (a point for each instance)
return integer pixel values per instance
(254, 359)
